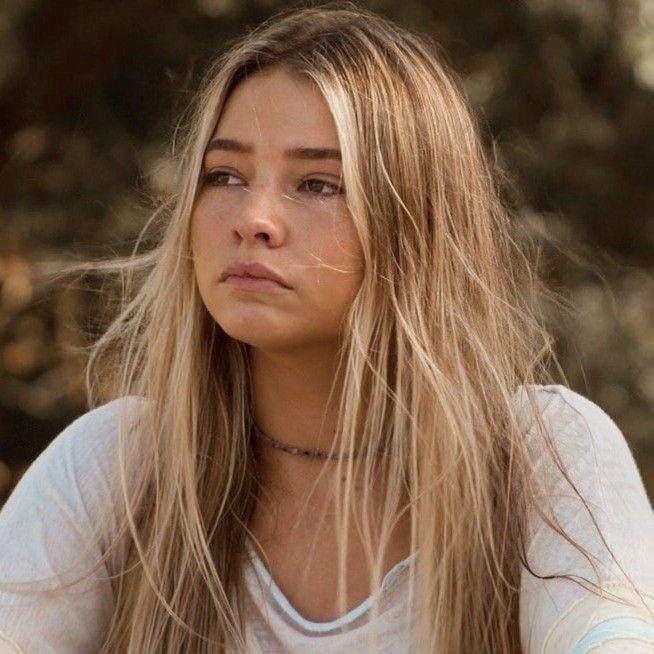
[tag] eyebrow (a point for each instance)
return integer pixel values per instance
(232, 145)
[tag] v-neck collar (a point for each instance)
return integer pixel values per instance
(319, 627)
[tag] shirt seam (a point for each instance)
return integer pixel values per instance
(4, 637)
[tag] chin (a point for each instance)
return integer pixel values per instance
(255, 330)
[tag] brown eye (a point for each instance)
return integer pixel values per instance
(217, 178)
(317, 184)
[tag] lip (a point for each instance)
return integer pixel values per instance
(254, 275)
(255, 283)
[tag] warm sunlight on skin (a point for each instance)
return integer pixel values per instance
(288, 212)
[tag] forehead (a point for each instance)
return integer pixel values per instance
(277, 106)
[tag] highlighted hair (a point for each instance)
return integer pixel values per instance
(443, 331)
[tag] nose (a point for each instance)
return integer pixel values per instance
(260, 216)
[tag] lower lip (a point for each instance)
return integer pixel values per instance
(255, 283)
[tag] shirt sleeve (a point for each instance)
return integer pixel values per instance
(558, 615)
(55, 526)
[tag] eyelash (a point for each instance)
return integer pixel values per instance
(207, 177)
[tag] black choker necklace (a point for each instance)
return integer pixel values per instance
(313, 453)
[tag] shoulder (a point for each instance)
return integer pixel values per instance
(591, 446)
(57, 524)
(575, 423)
(95, 430)
(76, 478)
(559, 404)
(89, 440)
(598, 462)
(607, 513)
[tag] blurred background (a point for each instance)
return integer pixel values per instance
(90, 92)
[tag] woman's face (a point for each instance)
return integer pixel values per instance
(271, 193)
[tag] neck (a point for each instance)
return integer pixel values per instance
(291, 403)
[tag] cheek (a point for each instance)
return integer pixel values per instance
(205, 242)
(340, 245)
(338, 259)
(204, 227)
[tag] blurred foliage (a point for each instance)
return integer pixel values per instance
(89, 95)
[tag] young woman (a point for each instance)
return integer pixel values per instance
(327, 421)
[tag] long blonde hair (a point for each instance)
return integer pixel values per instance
(445, 328)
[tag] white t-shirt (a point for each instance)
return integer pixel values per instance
(68, 501)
